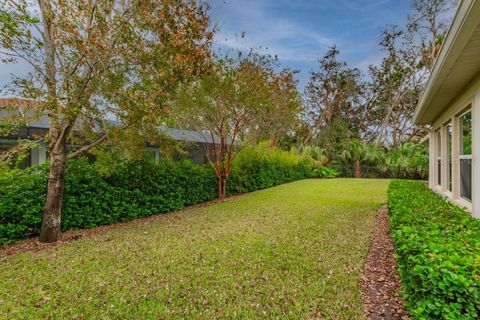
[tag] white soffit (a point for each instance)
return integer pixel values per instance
(458, 63)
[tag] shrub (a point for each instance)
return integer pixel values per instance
(115, 190)
(325, 173)
(408, 160)
(438, 249)
(262, 167)
(134, 189)
(22, 196)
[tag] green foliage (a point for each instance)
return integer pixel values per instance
(437, 244)
(134, 189)
(408, 160)
(262, 167)
(315, 156)
(113, 190)
(334, 138)
(325, 173)
(364, 153)
(22, 195)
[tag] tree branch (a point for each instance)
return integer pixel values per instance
(86, 148)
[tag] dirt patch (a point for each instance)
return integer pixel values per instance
(380, 283)
(32, 244)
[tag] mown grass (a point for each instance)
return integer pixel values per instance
(293, 251)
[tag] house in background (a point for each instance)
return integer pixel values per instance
(194, 142)
(450, 104)
(37, 128)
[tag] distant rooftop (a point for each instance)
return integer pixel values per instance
(24, 106)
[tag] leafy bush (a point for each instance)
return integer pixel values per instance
(325, 173)
(262, 167)
(408, 160)
(134, 189)
(115, 190)
(314, 156)
(22, 196)
(438, 249)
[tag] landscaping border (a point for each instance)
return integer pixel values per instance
(380, 284)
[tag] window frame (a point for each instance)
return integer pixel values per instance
(438, 157)
(462, 156)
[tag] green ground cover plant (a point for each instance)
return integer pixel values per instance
(438, 249)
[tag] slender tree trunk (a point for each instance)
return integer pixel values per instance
(222, 187)
(219, 187)
(357, 170)
(50, 230)
(272, 143)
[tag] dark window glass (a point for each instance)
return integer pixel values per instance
(439, 172)
(466, 134)
(466, 156)
(466, 179)
(438, 142)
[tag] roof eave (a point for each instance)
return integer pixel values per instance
(449, 51)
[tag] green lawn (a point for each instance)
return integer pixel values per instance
(293, 251)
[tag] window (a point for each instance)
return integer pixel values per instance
(449, 159)
(465, 155)
(154, 153)
(38, 155)
(438, 153)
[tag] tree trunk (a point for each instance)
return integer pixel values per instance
(222, 187)
(358, 169)
(272, 143)
(50, 230)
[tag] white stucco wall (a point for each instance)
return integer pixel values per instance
(468, 98)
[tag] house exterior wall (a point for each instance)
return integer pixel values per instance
(468, 99)
(36, 156)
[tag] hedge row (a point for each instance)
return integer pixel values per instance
(438, 249)
(260, 167)
(131, 190)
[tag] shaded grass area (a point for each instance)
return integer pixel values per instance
(293, 251)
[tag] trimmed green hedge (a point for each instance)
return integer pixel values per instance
(438, 249)
(131, 190)
(260, 167)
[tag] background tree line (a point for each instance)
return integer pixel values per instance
(345, 110)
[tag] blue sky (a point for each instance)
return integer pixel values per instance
(300, 31)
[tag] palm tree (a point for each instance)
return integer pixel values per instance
(408, 160)
(360, 153)
(318, 156)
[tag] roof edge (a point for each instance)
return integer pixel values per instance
(446, 56)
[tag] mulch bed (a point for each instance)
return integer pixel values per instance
(380, 283)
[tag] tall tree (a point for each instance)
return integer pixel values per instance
(395, 87)
(396, 84)
(283, 118)
(429, 20)
(333, 92)
(96, 60)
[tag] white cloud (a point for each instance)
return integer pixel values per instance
(269, 33)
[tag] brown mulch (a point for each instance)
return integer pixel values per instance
(380, 283)
(33, 245)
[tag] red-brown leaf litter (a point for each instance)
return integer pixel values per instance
(380, 283)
